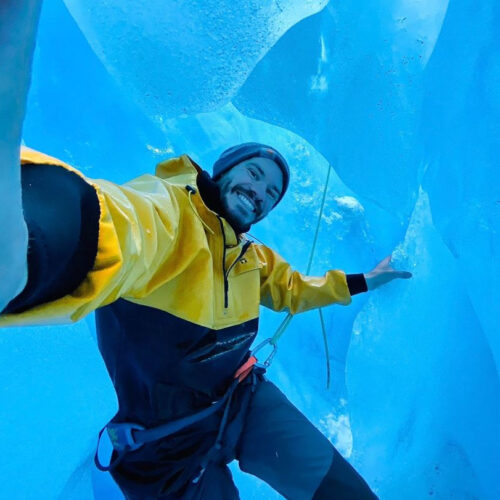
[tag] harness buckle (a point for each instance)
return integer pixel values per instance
(122, 436)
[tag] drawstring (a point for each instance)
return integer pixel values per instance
(191, 191)
(252, 236)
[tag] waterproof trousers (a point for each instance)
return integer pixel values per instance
(280, 446)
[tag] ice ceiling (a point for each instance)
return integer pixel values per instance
(402, 98)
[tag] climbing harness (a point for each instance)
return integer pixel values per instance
(129, 436)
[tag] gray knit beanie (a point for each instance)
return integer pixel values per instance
(232, 156)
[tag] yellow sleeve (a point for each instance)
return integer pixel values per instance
(281, 288)
(138, 232)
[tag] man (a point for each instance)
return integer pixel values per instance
(176, 287)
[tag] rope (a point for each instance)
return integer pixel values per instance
(284, 324)
(325, 189)
(327, 350)
(255, 238)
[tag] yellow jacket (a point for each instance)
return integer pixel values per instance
(160, 246)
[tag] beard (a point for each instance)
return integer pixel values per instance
(211, 194)
(238, 221)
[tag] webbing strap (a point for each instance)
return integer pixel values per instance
(164, 430)
(127, 436)
(244, 370)
(229, 433)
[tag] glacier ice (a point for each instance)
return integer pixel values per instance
(188, 56)
(14, 237)
(401, 98)
(434, 422)
(461, 141)
(56, 394)
(17, 38)
(349, 81)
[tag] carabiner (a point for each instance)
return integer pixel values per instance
(269, 359)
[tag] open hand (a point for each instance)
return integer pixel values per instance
(383, 273)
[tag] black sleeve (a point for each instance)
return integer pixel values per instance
(356, 283)
(62, 214)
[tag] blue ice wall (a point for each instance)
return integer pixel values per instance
(402, 98)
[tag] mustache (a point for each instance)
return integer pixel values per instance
(251, 195)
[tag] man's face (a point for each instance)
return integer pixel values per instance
(250, 189)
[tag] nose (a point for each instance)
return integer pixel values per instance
(260, 191)
(257, 192)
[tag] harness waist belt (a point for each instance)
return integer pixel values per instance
(129, 436)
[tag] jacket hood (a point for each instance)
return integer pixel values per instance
(181, 170)
(184, 171)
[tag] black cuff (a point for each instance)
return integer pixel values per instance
(62, 214)
(356, 283)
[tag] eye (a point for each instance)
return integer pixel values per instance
(252, 173)
(272, 195)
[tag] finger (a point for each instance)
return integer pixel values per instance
(386, 261)
(403, 274)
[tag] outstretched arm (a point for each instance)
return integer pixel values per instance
(282, 288)
(117, 239)
(18, 25)
(285, 289)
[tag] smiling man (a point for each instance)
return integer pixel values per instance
(176, 286)
(252, 179)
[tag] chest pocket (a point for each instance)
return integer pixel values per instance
(249, 262)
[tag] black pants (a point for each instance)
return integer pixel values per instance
(281, 447)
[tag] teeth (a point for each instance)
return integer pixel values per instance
(246, 201)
